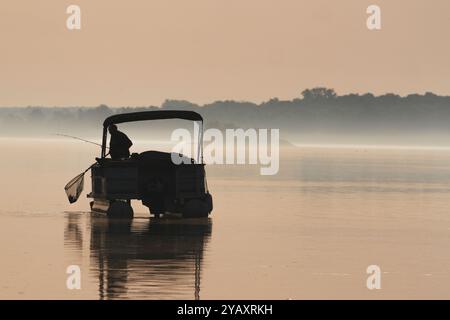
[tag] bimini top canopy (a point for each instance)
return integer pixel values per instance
(152, 115)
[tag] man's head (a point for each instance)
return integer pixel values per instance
(112, 128)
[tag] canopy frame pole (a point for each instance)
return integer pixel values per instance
(105, 132)
(200, 144)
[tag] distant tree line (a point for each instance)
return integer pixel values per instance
(317, 115)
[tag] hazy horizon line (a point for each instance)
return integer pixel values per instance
(347, 94)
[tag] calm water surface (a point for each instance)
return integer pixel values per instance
(309, 232)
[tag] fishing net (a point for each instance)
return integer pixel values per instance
(74, 188)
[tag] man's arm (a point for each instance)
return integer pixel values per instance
(126, 141)
(129, 142)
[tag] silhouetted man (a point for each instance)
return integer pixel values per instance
(119, 145)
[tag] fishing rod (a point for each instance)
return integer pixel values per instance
(77, 138)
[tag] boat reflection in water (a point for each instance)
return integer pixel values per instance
(147, 259)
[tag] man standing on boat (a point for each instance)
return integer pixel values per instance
(119, 145)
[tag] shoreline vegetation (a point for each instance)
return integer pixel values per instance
(318, 116)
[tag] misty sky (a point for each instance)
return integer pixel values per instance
(140, 52)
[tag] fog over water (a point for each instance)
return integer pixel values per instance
(317, 116)
(362, 177)
(308, 232)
